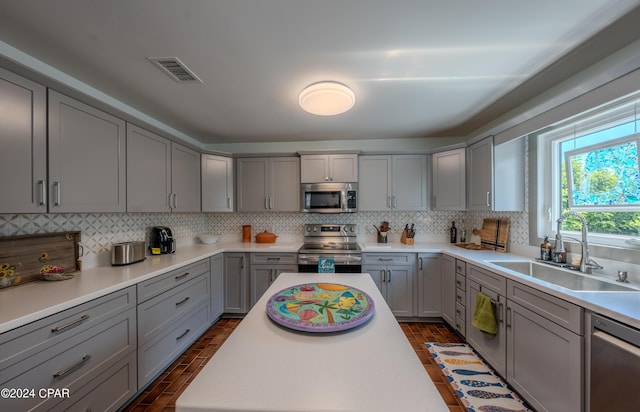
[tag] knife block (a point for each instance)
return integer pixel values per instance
(406, 240)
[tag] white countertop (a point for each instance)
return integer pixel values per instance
(27, 303)
(265, 367)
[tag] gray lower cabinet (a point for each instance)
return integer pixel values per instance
(544, 349)
(173, 312)
(449, 289)
(395, 276)
(236, 283)
(539, 345)
(76, 349)
(265, 268)
(217, 286)
(429, 285)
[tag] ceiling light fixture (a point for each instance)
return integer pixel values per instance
(327, 98)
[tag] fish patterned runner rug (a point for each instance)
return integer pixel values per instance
(475, 383)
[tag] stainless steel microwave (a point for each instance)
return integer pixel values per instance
(330, 197)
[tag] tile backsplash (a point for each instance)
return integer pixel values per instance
(100, 230)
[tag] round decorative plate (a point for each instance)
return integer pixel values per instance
(320, 307)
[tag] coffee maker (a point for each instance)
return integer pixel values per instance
(161, 241)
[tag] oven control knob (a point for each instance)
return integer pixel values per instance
(352, 229)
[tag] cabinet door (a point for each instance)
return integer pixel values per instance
(449, 180)
(378, 275)
(217, 183)
(509, 176)
(87, 170)
(544, 361)
(449, 289)
(400, 289)
(236, 285)
(148, 171)
(23, 138)
(185, 179)
(480, 175)
(217, 286)
(343, 168)
(374, 187)
(314, 168)
(492, 348)
(284, 184)
(430, 285)
(409, 182)
(253, 184)
(262, 276)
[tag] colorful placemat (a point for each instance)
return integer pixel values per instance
(476, 384)
(320, 307)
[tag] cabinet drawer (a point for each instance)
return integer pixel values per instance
(73, 362)
(160, 351)
(461, 326)
(487, 279)
(461, 296)
(559, 311)
(389, 258)
(461, 281)
(108, 392)
(162, 283)
(461, 266)
(158, 313)
(461, 311)
(21, 343)
(274, 258)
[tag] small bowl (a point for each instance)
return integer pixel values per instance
(209, 239)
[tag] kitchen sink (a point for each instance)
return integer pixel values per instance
(561, 277)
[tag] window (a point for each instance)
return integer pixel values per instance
(591, 166)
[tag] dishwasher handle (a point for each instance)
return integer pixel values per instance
(611, 327)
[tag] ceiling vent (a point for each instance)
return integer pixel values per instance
(175, 69)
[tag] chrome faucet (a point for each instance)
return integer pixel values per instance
(586, 263)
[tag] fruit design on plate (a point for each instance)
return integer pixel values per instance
(320, 306)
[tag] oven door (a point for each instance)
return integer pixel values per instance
(344, 263)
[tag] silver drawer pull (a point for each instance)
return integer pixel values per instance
(70, 324)
(183, 301)
(182, 276)
(72, 367)
(385, 259)
(183, 334)
(277, 259)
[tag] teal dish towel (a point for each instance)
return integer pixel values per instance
(484, 317)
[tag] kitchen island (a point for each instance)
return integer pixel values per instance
(267, 367)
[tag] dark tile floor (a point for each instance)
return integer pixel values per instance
(161, 395)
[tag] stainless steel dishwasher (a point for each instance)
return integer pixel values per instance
(615, 366)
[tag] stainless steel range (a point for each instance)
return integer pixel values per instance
(330, 241)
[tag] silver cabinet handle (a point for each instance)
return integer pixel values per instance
(488, 203)
(270, 203)
(76, 365)
(43, 193)
(395, 202)
(500, 312)
(57, 200)
(389, 275)
(70, 324)
(420, 263)
(266, 203)
(389, 202)
(175, 200)
(183, 301)
(508, 317)
(242, 262)
(180, 277)
(228, 202)
(183, 334)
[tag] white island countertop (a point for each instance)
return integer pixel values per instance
(266, 367)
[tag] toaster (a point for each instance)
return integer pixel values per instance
(161, 240)
(126, 253)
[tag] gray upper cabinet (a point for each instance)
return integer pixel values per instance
(392, 182)
(185, 179)
(337, 168)
(217, 183)
(268, 184)
(23, 137)
(148, 171)
(449, 180)
(495, 175)
(161, 176)
(480, 175)
(86, 158)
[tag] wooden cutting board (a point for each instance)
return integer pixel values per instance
(24, 258)
(494, 234)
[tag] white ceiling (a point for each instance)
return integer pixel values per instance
(419, 68)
